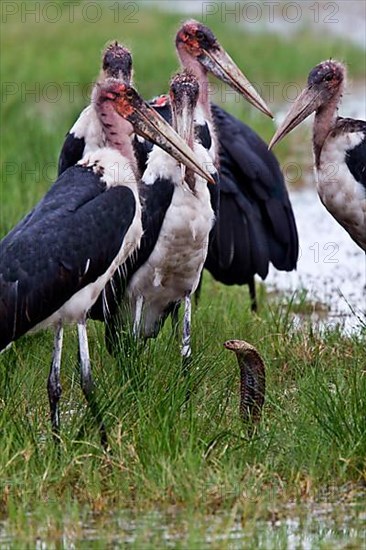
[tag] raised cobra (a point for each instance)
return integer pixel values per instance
(252, 380)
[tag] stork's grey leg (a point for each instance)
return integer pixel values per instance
(138, 316)
(186, 344)
(87, 384)
(253, 295)
(186, 341)
(54, 384)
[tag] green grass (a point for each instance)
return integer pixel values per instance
(195, 459)
(193, 463)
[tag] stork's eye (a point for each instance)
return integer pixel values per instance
(200, 35)
(328, 77)
(129, 94)
(111, 95)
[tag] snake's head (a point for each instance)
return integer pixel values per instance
(239, 346)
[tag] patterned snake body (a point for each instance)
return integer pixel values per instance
(252, 380)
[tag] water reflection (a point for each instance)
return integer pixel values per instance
(302, 527)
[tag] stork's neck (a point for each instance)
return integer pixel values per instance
(118, 132)
(325, 118)
(192, 64)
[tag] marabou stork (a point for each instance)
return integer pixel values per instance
(339, 146)
(199, 52)
(87, 134)
(177, 219)
(57, 260)
(255, 224)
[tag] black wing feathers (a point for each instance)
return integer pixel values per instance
(68, 241)
(203, 135)
(255, 224)
(72, 151)
(356, 157)
(251, 183)
(155, 201)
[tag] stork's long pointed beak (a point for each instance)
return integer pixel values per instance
(183, 117)
(306, 103)
(223, 67)
(182, 120)
(150, 125)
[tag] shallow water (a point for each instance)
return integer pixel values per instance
(331, 267)
(321, 525)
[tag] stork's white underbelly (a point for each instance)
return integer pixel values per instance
(174, 267)
(341, 194)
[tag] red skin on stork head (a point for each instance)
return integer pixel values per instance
(147, 122)
(200, 52)
(196, 38)
(123, 97)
